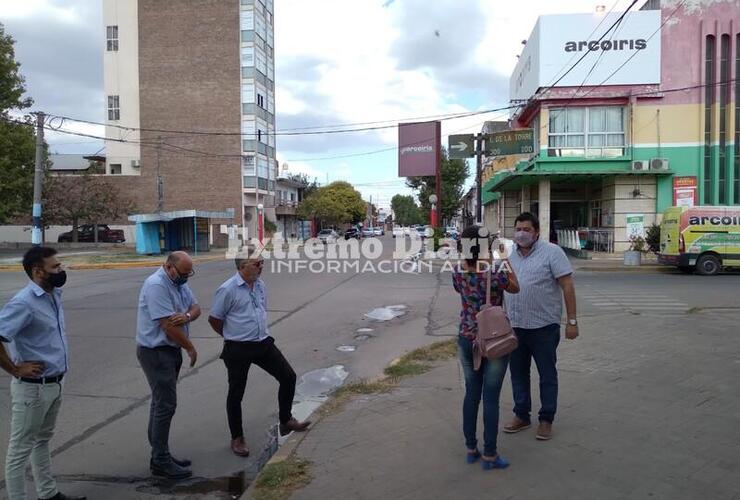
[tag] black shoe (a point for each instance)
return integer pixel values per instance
(182, 462)
(170, 470)
(62, 496)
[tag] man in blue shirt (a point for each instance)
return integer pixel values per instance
(545, 279)
(32, 322)
(166, 308)
(239, 315)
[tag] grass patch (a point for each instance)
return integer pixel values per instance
(278, 480)
(406, 369)
(415, 363)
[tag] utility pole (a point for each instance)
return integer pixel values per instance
(478, 179)
(160, 181)
(38, 180)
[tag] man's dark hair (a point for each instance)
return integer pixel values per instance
(528, 217)
(35, 256)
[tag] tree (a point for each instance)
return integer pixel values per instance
(87, 198)
(308, 185)
(335, 204)
(405, 210)
(454, 174)
(17, 140)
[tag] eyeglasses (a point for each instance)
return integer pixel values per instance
(184, 275)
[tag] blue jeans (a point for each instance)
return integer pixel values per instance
(540, 344)
(485, 382)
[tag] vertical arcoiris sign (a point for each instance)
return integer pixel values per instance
(684, 191)
(418, 148)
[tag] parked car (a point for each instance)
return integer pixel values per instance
(327, 236)
(368, 232)
(352, 232)
(451, 232)
(424, 231)
(398, 231)
(86, 234)
(379, 231)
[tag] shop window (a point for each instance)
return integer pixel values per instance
(586, 131)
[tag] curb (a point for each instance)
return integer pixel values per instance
(296, 438)
(110, 265)
(626, 269)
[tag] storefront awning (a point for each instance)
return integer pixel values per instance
(513, 180)
(180, 214)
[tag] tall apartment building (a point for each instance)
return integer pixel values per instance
(190, 99)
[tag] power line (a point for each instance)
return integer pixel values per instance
(297, 132)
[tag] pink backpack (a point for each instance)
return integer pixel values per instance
(496, 337)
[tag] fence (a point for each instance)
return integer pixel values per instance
(596, 240)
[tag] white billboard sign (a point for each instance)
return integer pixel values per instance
(558, 41)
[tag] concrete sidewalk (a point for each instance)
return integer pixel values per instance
(648, 409)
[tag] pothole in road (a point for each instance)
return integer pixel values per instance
(347, 348)
(364, 330)
(230, 486)
(362, 337)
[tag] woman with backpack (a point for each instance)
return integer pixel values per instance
(470, 279)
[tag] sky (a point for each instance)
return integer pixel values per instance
(337, 62)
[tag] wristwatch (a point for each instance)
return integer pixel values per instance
(188, 315)
(573, 322)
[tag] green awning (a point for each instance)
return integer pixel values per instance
(514, 180)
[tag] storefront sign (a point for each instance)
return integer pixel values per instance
(635, 225)
(418, 148)
(684, 191)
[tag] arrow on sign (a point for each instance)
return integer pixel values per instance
(460, 146)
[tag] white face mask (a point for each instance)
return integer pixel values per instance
(524, 239)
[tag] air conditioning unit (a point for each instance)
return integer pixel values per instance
(135, 163)
(640, 165)
(659, 164)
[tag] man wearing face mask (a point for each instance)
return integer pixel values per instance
(32, 322)
(545, 279)
(239, 315)
(166, 307)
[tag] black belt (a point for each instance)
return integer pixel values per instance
(43, 380)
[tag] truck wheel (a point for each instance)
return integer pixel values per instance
(708, 265)
(687, 269)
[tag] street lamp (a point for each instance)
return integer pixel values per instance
(261, 222)
(433, 215)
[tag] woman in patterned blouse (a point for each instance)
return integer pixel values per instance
(469, 280)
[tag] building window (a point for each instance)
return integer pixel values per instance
(708, 120)
(248, 165)
(248, 93)
(249, 182)
(736, 182)
(114, 108)
(260, 101)
(115, 169)
(724, 98)
(112, 38)
(586, 131)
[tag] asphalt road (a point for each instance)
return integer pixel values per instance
(100, 446)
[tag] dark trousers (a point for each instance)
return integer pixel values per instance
(238, 358)
(161, 366)
(540, 344)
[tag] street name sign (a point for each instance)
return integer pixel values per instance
(461, 146)
(511, 142)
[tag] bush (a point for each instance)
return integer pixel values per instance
(652, 238)
(637, 244)
(270, 227)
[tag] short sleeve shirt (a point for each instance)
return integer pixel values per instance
(32, 322)
(160, 298)
(540, 299)
(242, 308)
(472, 289)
